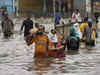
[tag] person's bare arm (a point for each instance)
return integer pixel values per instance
(30, 39)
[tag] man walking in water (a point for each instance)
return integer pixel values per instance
(7, 27)
(27, 25)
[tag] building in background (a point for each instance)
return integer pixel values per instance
(47, 6)
(96, 6)
(31, 6)
(16, 7)
(44, 6)
(11, 6)
(6, 4)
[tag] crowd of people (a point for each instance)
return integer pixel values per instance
(52, 44)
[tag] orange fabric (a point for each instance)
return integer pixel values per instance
(40, 45)
(93, 35)
(82, 27)
(52, 53)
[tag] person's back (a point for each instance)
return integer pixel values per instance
(73, 33)
(77, 29)
(73, 40)
(88, 33)
(27, 24)
(82, 26)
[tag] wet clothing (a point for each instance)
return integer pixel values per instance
(27, 24)
(57, 53)
(73, 43)
(60, 52)
(73, 33)
(82, 27)
(7, 27)
(41, 44)
(77, 29)
(73, 40)
(53, 38)
(90, 36)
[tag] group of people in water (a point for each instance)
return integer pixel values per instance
(52, 44)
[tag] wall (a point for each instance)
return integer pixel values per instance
(32, 6)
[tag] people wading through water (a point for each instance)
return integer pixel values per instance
(90, 35)
(41, 41)
(73, 40)
(7, 27)
(27, 25)
(82, 27)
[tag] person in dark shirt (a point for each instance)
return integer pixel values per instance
(7, 27)
(27, 25)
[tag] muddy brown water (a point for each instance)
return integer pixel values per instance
(16, 58)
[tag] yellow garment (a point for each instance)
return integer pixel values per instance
(93, 35)
(82, 26)
(84, 38)
(96, 25)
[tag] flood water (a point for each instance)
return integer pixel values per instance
(16, 58)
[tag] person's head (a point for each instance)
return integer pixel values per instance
(28, 17)
(70, 20)
(90, 24)
(76, 25)
(85, 19)
(6, 18)
(76, 11)
(41, 29)
(37, 25)
(53, 31)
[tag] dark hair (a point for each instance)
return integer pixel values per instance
(77, 10)
(37, 25)
(53, 30)
(41, 27)
(90, 24)
(85, 19)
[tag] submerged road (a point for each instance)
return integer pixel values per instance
(16, 58)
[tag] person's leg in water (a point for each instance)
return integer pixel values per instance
(78, 42)
(68, 43)
(92, 43)
(10, 34)
(5, 34)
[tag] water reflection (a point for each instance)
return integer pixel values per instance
(72, 52)
(14, 57)
(41, 65)
(44, 66)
